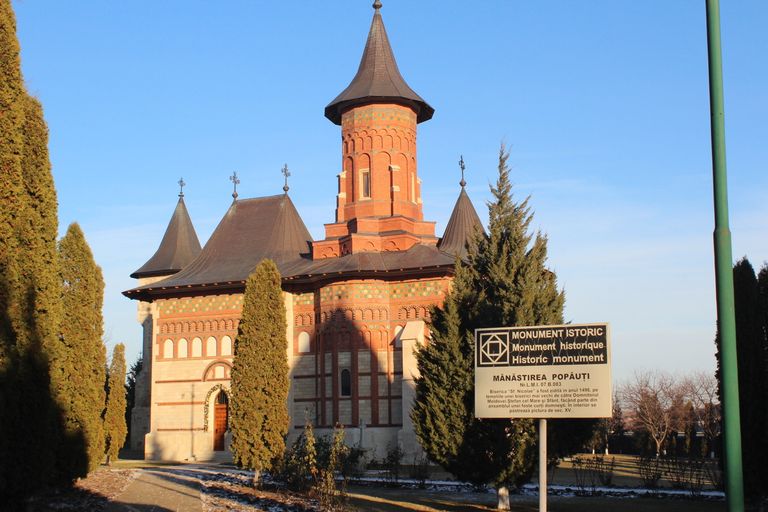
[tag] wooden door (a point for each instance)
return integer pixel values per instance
(220, 421)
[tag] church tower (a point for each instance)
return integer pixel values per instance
(378, 206)
(177, 249)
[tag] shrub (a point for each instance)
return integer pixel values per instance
(650, 471)
(299, 469)
(331, 496)
(393, 463)
(420, 469)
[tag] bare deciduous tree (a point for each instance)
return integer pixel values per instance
(701, 390)
(651, 398)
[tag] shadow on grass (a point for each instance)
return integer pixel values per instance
(76, 500)
(230, 487)
(399, 500)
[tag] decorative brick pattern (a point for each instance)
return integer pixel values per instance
(206, 304)
(418, 289)
(334, 292)
(304, 299)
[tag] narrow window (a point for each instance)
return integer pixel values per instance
(346, 383)
(365, 183)
(303, 343)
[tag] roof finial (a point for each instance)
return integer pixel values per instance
(235, 181)
(181, 187)
(462, 167)
(377, 4)
(286, 173)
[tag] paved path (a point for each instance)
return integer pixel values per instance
(159, 490)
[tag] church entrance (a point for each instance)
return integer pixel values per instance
(221, 410)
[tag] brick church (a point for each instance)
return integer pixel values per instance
(355, 301)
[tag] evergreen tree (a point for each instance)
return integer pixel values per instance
(751, 343)
(504, 282)
(130, 392)
(11, 122)
(82, 355)
(616, 426)
(115, 429)
(29, 306)
(259, 420)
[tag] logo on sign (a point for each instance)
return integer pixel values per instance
(494, 349)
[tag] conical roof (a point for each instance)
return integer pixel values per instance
(251, 230)
(177, 249)
(378, 79)
(461, 227)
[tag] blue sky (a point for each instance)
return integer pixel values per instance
(604, 105)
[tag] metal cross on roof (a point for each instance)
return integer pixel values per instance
(286, 173)
(462, 167)
(235, 181)
(181, 187)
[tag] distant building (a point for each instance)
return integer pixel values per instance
(356, 301)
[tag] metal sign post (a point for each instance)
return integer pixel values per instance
(540, 372)
(542, 465)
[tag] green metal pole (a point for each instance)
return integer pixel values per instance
(734, 487)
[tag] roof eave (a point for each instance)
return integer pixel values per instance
(336, 109)
(150, 293)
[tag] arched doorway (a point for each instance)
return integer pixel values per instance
(220, 413)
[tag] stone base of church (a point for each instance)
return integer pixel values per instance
(197, 446)
(139, 428)
(376, 441)
(185, 446)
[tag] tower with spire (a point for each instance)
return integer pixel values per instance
(378, 205)
(178, 247)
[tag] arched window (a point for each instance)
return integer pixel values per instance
(168, 349)
(303, 342)
(346, 383)
(197, 347)
(226, 346)
(210, 347)
(182, 348)
(221, 398)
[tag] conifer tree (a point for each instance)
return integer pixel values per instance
(29, 306)
(115, 428)
(130, 391)
(504, 282)
(11, 120)
(82, 355)
(752, 350)
(259, 420)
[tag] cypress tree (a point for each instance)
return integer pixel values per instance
(11, 120)
(115, 429)
(259, 420)
(82, 355)
(504, 282)
(751, 346)
(130, 391)
(29, 306)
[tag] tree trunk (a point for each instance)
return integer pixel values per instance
(503, 498)
(256, 478)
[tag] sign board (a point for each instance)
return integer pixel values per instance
(545, 371)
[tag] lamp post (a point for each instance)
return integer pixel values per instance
(734, 487)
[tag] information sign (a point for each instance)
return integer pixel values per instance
(546, 371)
